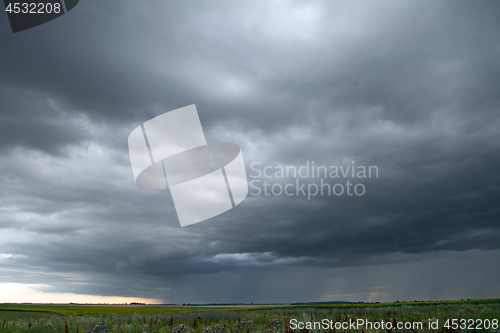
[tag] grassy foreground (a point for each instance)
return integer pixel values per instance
(470, 316)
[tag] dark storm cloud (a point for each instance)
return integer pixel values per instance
(409, 87)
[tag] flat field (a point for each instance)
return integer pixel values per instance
(444, 316)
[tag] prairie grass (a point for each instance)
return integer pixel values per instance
(17, 318)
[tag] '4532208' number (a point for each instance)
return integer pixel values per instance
(472, 324)
(33, 8)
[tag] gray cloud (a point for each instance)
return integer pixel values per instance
(409, 87)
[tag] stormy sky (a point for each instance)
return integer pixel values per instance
(411, 87)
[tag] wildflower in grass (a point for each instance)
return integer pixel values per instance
(180, 329)
(215, 329)
(99, 328)
(243, 326)
(275, 326)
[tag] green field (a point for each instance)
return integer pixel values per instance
(470, 316)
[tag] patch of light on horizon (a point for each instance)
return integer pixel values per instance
(29, 293)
